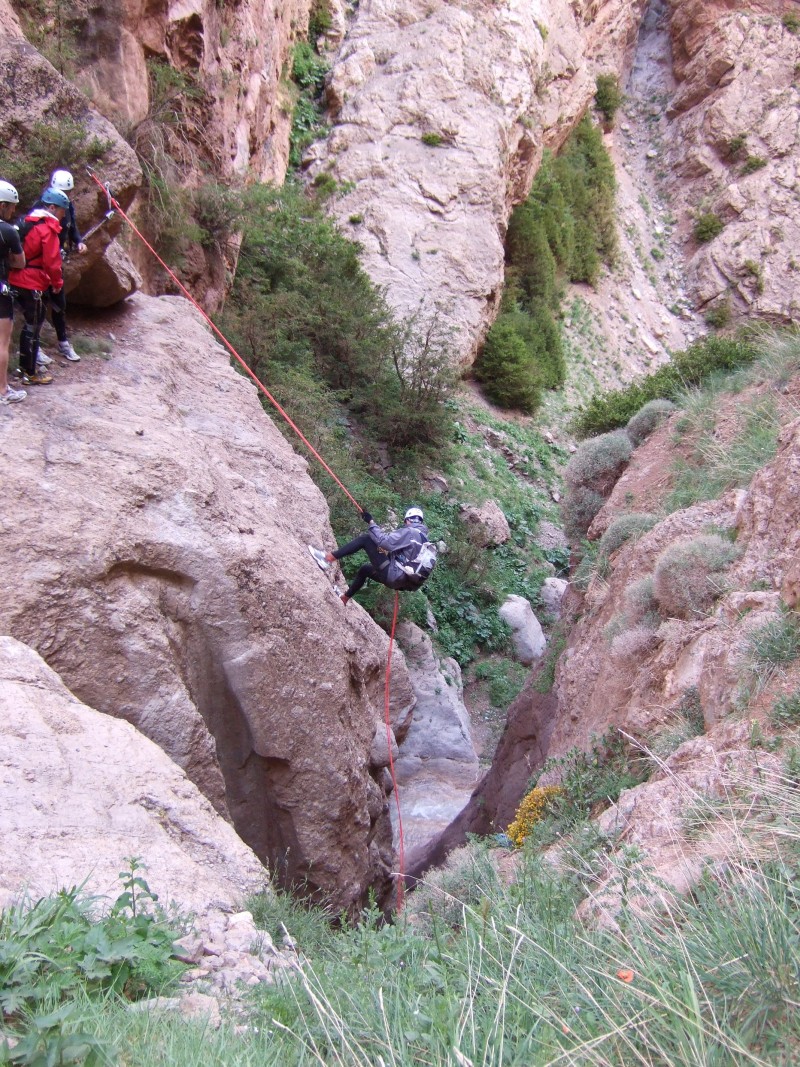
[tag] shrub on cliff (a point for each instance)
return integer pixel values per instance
(628, 527)
(608, 96)
(507, 370)
(688, 576)
(599, 462)
(647, 419)
(615, 408)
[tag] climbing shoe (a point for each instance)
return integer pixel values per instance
(66, 350)
(39, 378)
(319, 557)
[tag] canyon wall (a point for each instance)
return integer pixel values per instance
(441, 112)
(156, 558)
(732, 153)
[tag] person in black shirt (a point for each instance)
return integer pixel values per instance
(11, 255)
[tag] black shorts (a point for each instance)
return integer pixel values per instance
(6, 306)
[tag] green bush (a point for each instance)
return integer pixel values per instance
(688, 575)
(507, 370)
(791, 21)
(432, 139)
(647, 419)
(608, 96)
(785, 711)
(614, 409)
(752, 164)
(719, 316)
(628, 527)
(707, 227)
(599, 462)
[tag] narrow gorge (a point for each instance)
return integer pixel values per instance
(531, 266)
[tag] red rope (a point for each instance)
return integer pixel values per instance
(226, 342)
(310, 447)
(400, 843)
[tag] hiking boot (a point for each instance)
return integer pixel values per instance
(12, 396)
(39, 378)
(43, 358)
(66, 350)
(320, 558)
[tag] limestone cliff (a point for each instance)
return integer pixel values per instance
(732, 151)
(156, 558)
(441, 112)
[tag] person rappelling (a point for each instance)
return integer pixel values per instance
(402, 559)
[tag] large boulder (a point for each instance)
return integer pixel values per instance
(81, 792)
(526, 630)
(44, 101)
(436, 765)
(155, 539)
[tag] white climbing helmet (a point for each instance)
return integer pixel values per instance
(62, 179)
(8, 194)
(414, 513)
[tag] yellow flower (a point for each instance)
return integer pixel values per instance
(532, 808)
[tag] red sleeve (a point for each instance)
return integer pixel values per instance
(51, 257)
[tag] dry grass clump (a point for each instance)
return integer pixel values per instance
(647, 419)
(688, 575)
(599, 462)
(625, 528)
(634, 643)
(590, 476)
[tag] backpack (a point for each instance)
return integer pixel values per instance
(417, 562)
(24, 226)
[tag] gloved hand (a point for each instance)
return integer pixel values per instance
(365, 515)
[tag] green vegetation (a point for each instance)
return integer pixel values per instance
(608, 97)
(791, 21)
(707, 227)
(590, 476)
(695, 364)
(28, 160)
(308, 72)
(719, 316)
(60, 951)
(54, 28)
(785, 712)
(772, 648)
(431, 139)
(564, 231)
(505, 680)
(753, 163)
(628, 527)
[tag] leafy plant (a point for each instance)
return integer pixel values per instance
(432, 139)
(752, 164)
(506, 370)
(692, 366)
(707, 226)
(505, 679)
(608, 96)
(48, 145)
(532, 809)
(786, 711)
(59, 949)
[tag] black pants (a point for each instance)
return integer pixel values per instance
(58, 312)
(373, 569)
(30, 300)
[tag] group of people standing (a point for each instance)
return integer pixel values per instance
(31, 278)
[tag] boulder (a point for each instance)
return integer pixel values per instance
(437, 766)
(80, 792)
(526, 631)
(552, 593)
(487, 523)
(156, 557)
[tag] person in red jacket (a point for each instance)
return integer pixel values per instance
(42, 271)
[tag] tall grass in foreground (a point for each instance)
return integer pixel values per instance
(478, 972)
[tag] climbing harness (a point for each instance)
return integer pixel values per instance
(114, 205)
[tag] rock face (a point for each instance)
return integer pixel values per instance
(157, 560)
(441, 112)
(436, 764)
(733, 150)
(42, 98)
(80, 792)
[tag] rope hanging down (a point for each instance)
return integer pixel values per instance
(117, 207)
